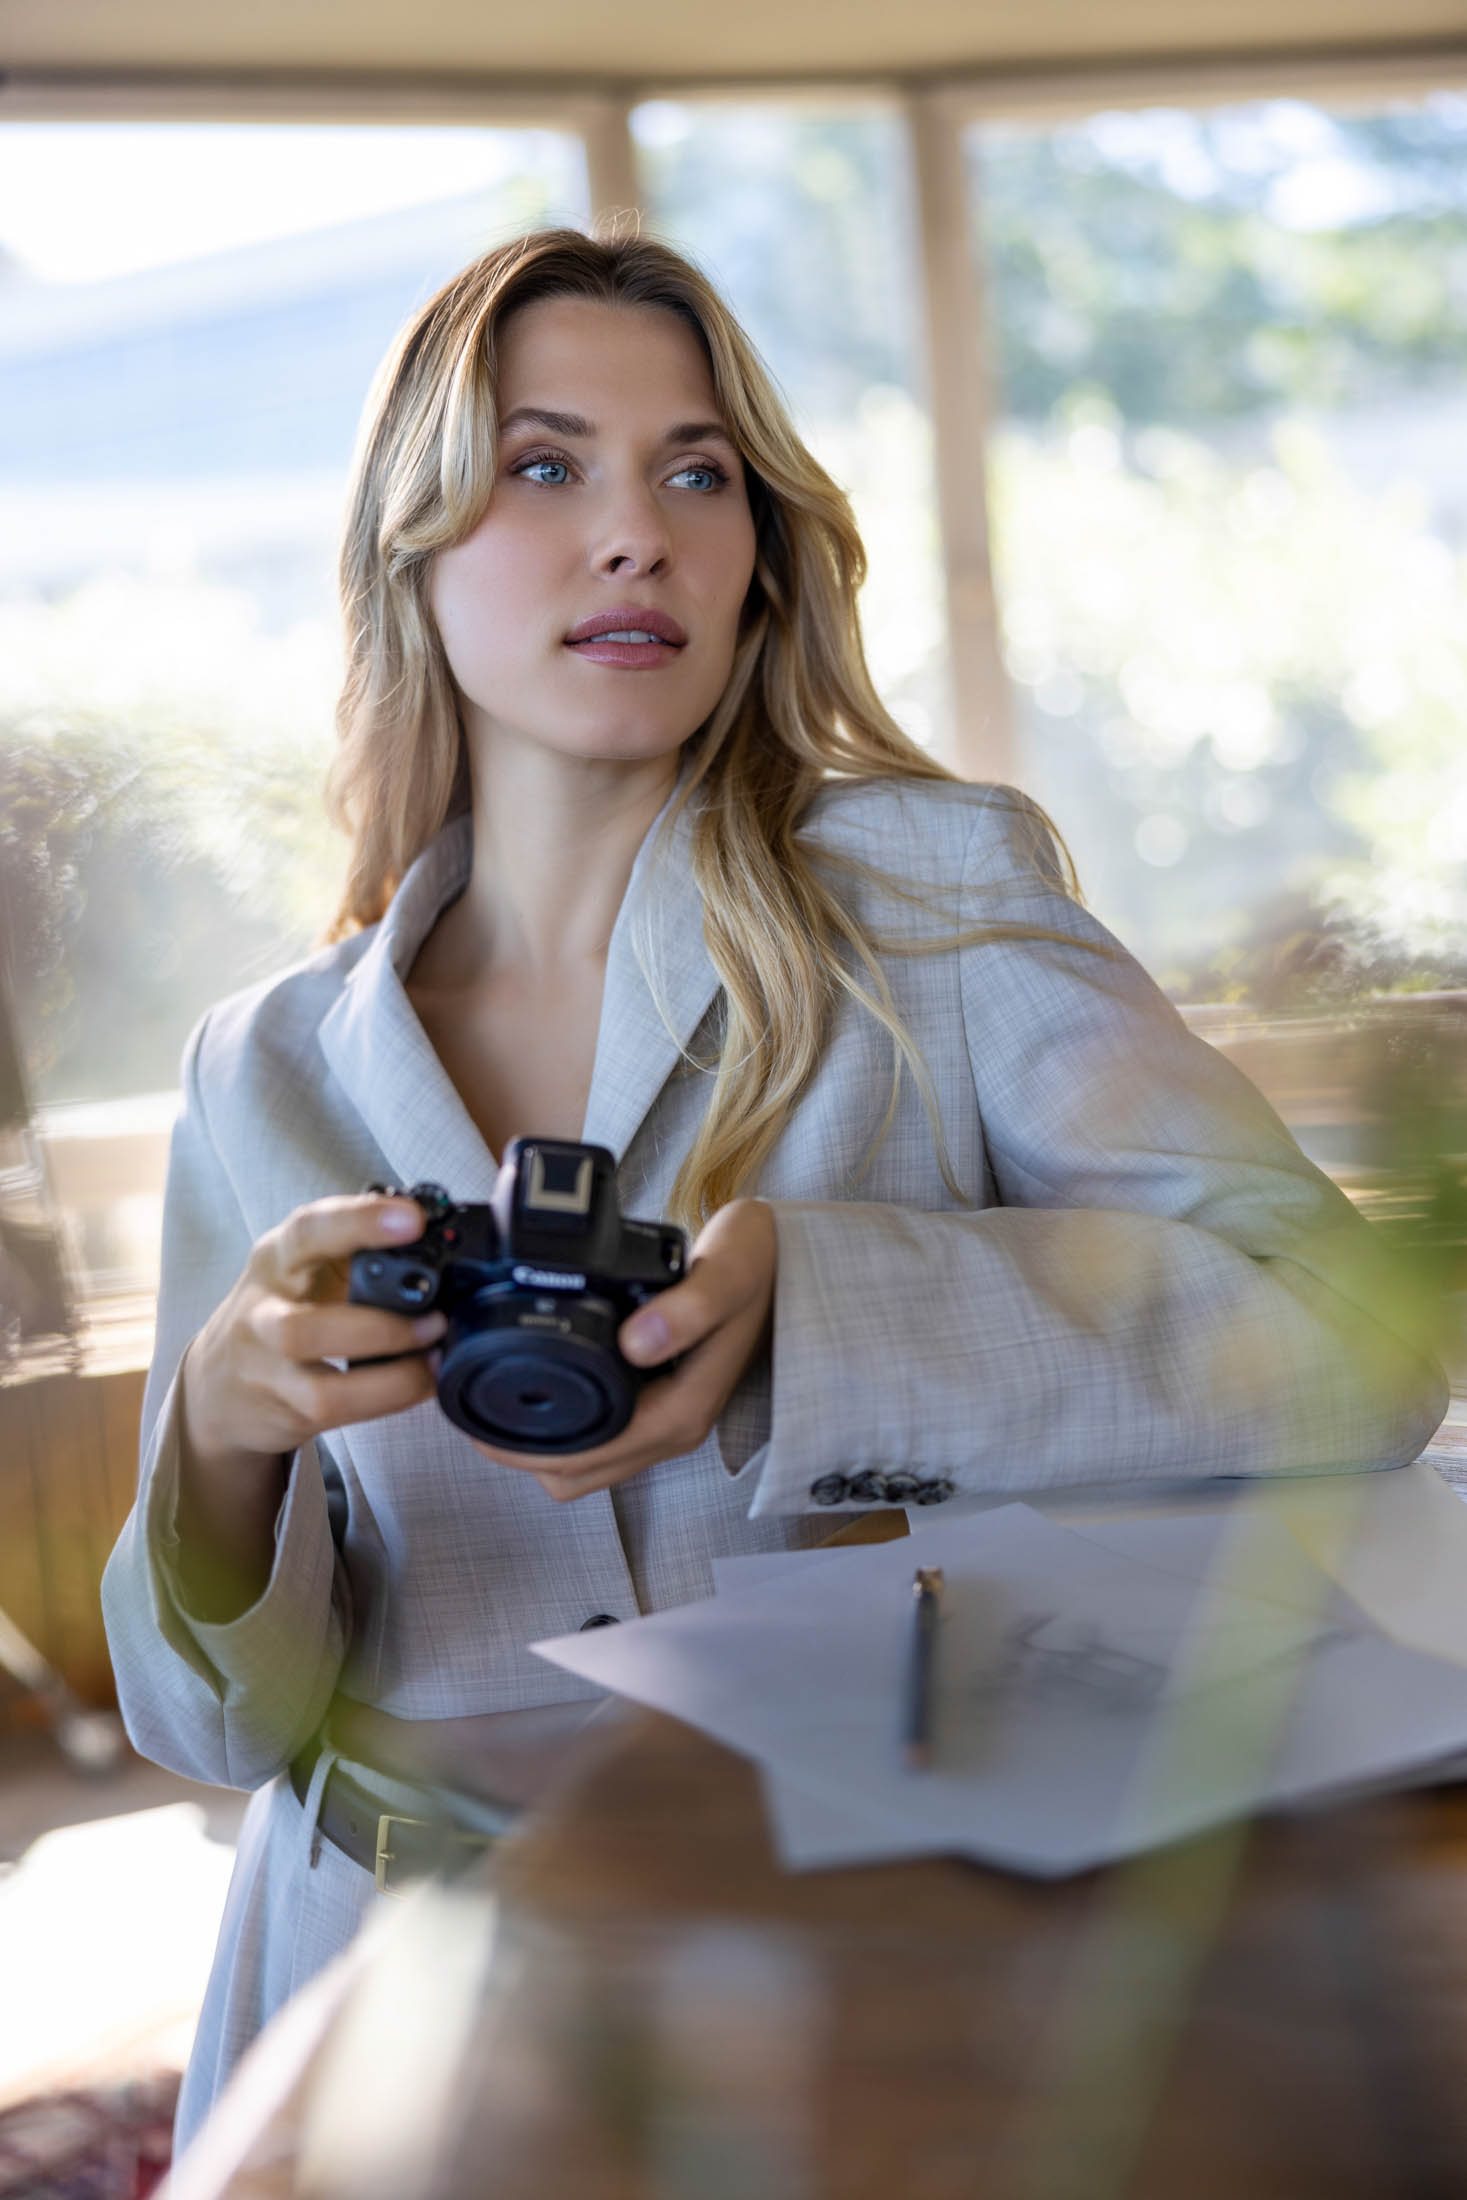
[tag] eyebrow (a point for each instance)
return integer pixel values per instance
(575, 424)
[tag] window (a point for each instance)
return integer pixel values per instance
(1229, 490)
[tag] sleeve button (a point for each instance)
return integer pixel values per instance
(868, 1487)
(901, 1489)
(598, 1619)
(831, 1489)
(933, 1492)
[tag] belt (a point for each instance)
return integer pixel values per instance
(442, 1833)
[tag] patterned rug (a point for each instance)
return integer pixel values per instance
(104, 2143)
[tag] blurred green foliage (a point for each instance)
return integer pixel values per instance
(1241, 685)
(1187, 265)
(162, 839)
(123, 910)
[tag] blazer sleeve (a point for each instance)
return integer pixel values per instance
(1169, 1287)
(226, 1703)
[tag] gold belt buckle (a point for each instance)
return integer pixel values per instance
(387, 1820)
(447, 1835)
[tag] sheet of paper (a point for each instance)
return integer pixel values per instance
(1089, 1703)
(1398, 1539)
(811, 1828)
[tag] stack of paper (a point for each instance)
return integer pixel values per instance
(1098, 1689)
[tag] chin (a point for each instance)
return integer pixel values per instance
(638, 744)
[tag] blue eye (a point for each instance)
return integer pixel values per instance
(534, 463)
(715, 474)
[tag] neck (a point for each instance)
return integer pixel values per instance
(555, 839)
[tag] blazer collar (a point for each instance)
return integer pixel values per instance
(660, 982)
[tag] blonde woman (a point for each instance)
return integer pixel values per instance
(971, 1211)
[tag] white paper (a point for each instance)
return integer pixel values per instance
(1398, 1541)
(1089, 1703)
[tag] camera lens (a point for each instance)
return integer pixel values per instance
(514, 1377)
(519, 1400)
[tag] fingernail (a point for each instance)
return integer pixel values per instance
(400, 1222)
(429, 1327)
(647, 1337)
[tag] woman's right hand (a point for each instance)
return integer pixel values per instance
(256, 1383)
(256, 1379)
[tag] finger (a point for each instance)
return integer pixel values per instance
(331, 1230)
(681, 1317)
(566, 1479)
(325, 1398)
(616, 1458)
(625, 1453)
(306, 1330)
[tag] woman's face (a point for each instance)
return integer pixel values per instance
(632, 502)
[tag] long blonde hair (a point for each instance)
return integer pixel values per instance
(799, 710)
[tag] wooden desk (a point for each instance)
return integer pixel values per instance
(1274, 2013)
(1277, 2013)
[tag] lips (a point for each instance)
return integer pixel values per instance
(629, 621)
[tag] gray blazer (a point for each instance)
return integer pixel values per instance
(1149, 1281)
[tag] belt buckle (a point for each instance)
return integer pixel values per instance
(447, 1837)
(385, 1823)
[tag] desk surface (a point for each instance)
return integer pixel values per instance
(1271, 2012)
(1268, 2012)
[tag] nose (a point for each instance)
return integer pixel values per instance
(632, 533)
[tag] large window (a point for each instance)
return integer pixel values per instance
(1227, 477)
(1229, 491)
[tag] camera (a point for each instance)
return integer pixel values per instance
(535, 1285)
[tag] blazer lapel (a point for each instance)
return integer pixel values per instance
(380, 1052)
(660, 982)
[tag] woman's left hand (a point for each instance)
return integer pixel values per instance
(718, 1316)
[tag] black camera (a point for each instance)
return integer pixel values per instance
(535, 1286)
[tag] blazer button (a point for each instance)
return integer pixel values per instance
(867, 1488)
(901, 1489)
(598, 1619)
(934, 1492)
(831, 1489)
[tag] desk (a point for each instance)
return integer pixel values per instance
(654, 2011)
(1280, 2015)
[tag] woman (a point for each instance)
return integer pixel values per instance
(973, 1211)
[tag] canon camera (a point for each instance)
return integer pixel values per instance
(535, 1285)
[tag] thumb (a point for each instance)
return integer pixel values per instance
(675, 1320)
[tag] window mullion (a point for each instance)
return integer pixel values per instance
(983, 736)
(605, 123)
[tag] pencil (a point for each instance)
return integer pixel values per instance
(917, 1726)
